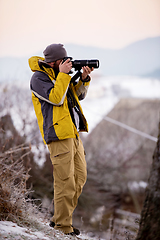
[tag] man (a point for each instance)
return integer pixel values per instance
(60, 119)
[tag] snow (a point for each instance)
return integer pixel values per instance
(97, 216)
(137, 186)
(105, 92)
(40, 152)
(14, 229)
(10, 230)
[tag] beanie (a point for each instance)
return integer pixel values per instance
(54, 52)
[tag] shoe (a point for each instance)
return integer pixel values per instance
(51, 224)
(71, 233)
(76, 230)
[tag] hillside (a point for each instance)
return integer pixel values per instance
(117, 158)
(25, 210)
(141, 114)
(40, 231)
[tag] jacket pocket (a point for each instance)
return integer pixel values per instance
(55, 122)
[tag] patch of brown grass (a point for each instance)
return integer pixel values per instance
(13, 192)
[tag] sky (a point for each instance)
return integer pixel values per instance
(28, 26)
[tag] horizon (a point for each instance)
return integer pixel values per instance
(78, 45)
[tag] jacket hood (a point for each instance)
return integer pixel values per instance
(34, 66)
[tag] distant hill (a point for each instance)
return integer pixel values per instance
(154, 74)
(141, 58)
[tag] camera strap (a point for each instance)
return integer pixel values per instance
(74, 78)
(72, 104)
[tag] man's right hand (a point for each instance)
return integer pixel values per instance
(66, 66)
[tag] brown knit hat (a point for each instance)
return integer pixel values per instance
(54, 52)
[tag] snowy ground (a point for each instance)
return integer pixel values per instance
(105, 92)
(10, 230)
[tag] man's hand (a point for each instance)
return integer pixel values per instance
(66, 66)
(86, 72)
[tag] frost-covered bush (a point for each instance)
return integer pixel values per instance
(13, 192)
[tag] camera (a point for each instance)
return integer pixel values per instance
(78, 64)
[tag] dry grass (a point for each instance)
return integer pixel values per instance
(14, 201)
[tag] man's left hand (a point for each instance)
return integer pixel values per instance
(86, 72)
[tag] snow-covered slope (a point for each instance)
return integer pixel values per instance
(11, 231)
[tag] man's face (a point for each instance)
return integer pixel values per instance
(56, 65)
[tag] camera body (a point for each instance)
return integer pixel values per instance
(78, 64)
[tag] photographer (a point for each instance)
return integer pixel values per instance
(60, 119)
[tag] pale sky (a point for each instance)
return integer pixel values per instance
(28, 26)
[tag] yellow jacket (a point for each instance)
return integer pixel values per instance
(49, 97)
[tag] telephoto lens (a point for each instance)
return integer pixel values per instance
(78, 64)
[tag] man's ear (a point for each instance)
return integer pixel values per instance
(52, 64)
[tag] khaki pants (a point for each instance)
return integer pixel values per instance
(70, 173)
